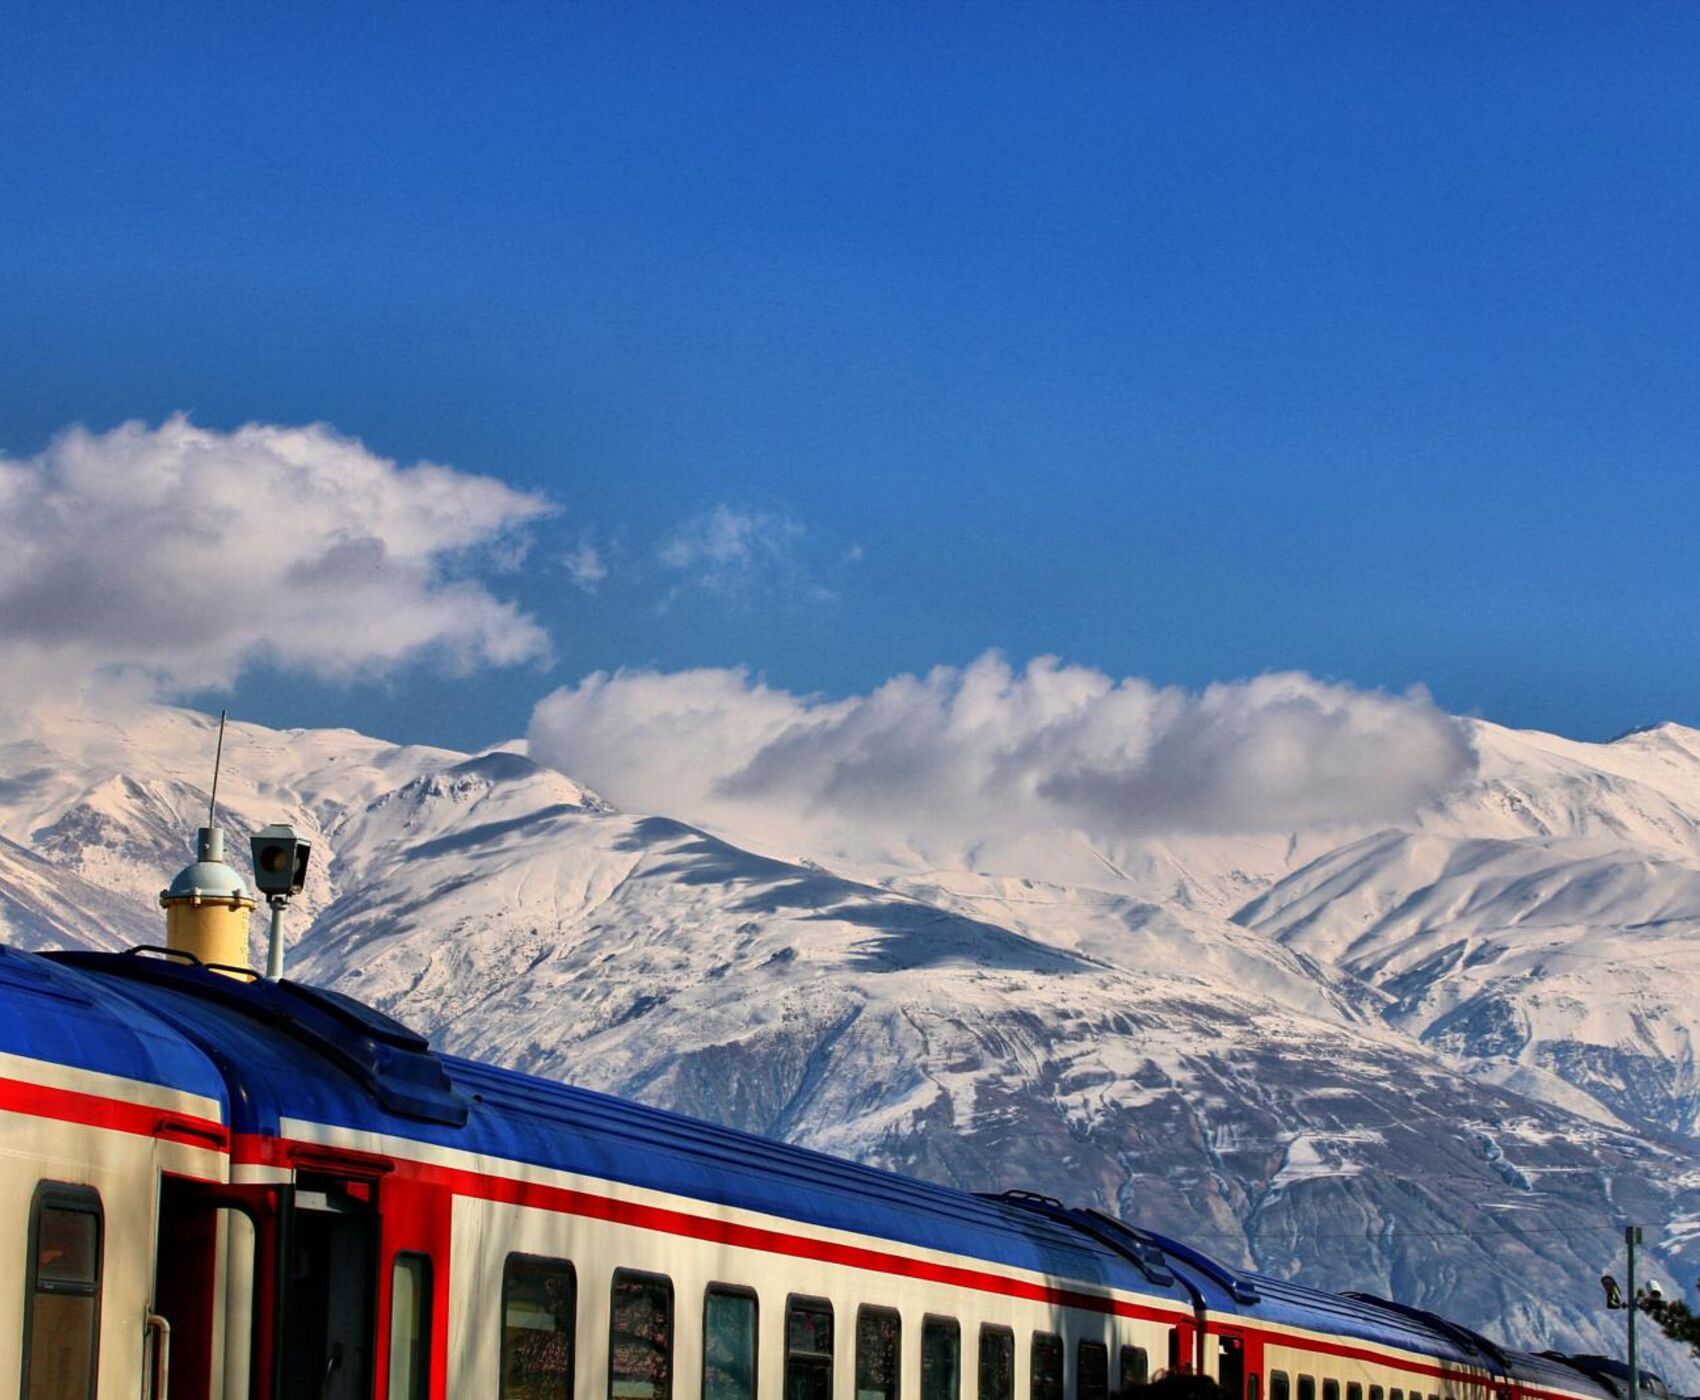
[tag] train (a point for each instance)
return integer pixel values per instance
(222, 1186)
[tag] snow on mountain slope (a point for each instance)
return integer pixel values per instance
(1542, 924)
(1268, 1087)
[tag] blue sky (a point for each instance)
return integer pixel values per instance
(1186, 341)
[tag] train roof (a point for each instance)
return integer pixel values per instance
(1552, 1372)
(94, 1026)
(300, 1053)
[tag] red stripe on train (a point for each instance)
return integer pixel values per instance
(116, 1115)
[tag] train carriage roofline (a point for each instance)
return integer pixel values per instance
(299, 1056)
(94, 1027)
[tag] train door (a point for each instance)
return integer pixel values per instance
(185, 1284)
(327, 1348)
(1233, 1368)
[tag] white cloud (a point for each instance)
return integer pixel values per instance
(962, 756)
(585, 566)
(734, 552)
(175, 556)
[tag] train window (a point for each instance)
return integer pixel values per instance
(941, 1359)
(729, 1344)
(1280, 1388)
(539, 1317)
(1331, 1390)
(997, 1363)
(878, 1334)
(1395, 1394)
(410, 1327)
(808, 1349)
(1092, 1371)
(1307, 1388)
(1354, 1391)
(1135, 1368)
(1047, 1366)
(640, 1337)
(1375, 1393)
(1252, 1386)
(62, 1298)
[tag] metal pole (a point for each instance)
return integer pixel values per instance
(274, 971)
(1632, 1238)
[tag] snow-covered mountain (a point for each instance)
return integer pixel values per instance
(1442, 1062)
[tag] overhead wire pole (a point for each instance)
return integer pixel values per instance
(1632, 1239)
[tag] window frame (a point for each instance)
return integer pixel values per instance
(733, 1290)
(811, 1302)
(571, 1271)
(992, 1329)
(1080, 1346)
(72, 1197)
(1033, 1370)
(1144, 1367)
(876, 1310)
(422, 1344)
(955, 1324)
(644, 1276)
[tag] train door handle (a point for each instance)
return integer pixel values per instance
(161, 1330)
(331, 1363)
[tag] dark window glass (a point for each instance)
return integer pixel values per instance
(1395, 1394)
(62, 1304)
(1307, 1388)
(941, 1359)
(808, 1350)
(878, 1331)
(640, 1338)
(728, 1345)
(1354, 1391)
(1092, 1371)
(1331, 1390)
(539, 1317)
(1047, 1366)
(1280, 1388)
(1251, 1386)
(1135, 1368)
(1376, 1393)
(997, 1363)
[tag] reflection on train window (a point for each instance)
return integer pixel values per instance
(1280, 1388)
(941, 1359)
(1331, 1390)
(62, 1301)
(997, 1363)
(1135, 1368)
(1092, 1371)
(410, 1327)
(539, 1312)
(640, 1337)
(1047, 1366)
(1307, 1388)
(878, 1333)
(728, 1344)
(808, 1350)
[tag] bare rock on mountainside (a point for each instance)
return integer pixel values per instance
(1441, 1063)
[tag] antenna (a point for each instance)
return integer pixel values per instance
(218, 759)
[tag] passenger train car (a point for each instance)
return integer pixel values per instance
(220, 1186)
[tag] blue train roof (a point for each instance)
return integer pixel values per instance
(92, 1025)
(1555, 1373)
(288, 1052)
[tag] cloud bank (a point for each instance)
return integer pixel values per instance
(175, 556)
(959, 757)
